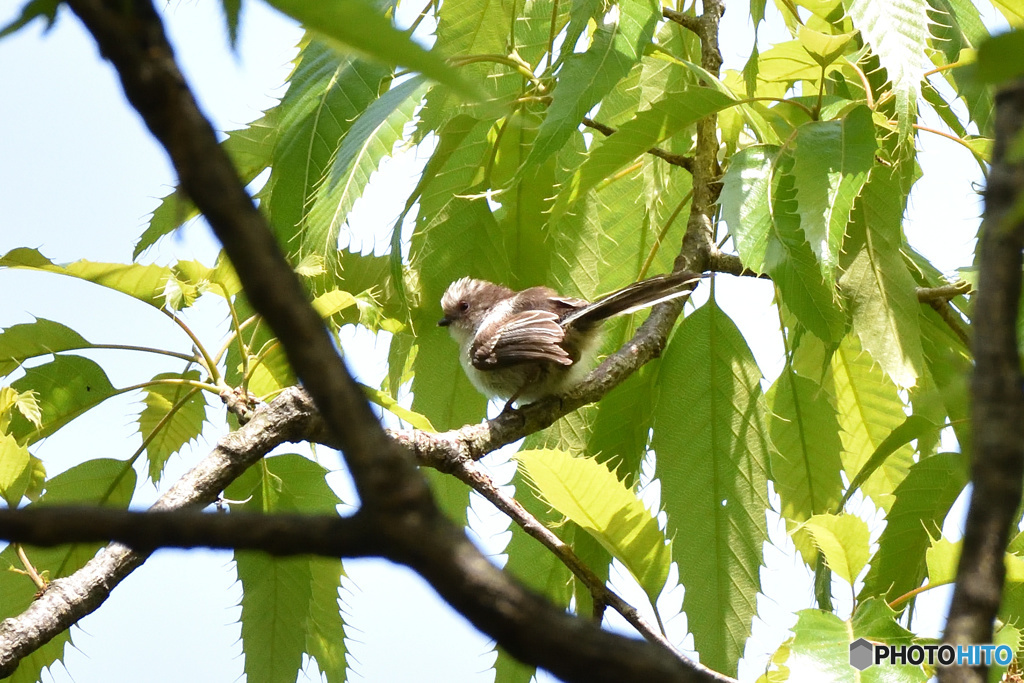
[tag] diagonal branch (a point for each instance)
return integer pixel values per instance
(66, 600)
(394, 494)
(674, 159)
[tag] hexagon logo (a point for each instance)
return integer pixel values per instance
(861, 654)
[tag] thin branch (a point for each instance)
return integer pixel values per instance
(943, 293)
(997, 465)
(393, 492)
(470, 473)
(674, 159)
(687, 21)
(68, 599)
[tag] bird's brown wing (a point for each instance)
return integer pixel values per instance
(528, 336)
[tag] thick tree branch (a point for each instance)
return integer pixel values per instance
(290, 417)
(145, 532)
(393, 493)
(997, 465)
(674, 159)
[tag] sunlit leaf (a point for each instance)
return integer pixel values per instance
(66, 387)
(711, 444)
(172, 416)
(843, 540)
(590, 495)
(289, 605)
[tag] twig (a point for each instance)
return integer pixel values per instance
(675, 159)
(468, 472)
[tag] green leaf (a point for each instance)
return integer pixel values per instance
(31, 10)
(289, 605)
(67, 387)
(820, 649)
(250, 148)
(15, 470)
(913, 428)
(24, 402)
(825, 48)
(844, 541)
(999, 58)
(360, 25)
(28, 340)
(105, 482)
(898, 34)
(173, 415)
(371, 139)
(712, 459)
(922, 502)
(869, 409)
(793, 267)
(665, 118)
(586, 78)
(745, 200)
(943, 558)
(143, 282)
(805, 457)
(327, 93)
(232, 8)
(830, 165)
(880, 291)
(590, 495)
(391, 405)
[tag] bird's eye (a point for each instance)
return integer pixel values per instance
(463, 306)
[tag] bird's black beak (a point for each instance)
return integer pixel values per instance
(444, 322)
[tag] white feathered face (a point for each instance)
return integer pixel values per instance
(466, 303)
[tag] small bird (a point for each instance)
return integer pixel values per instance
(522, 346)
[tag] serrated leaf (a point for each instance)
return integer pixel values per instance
(25, 403)
(792, 265)
(915, 427)
(173, 415)
(15, 470)
(331, 302)
(825, 48)
(711, 446)
(250, 149)
(745, 201)
(922, 502)
(820, 649)
(898, 34)
(880, 291)
(804, 431)
(843, 540)
(830, 165)
(371, 139)
(360, 25)
(586, 78)
(589, 494)
(289, 605)
(105, 482)
(666, 117)
(66, 387)
(28, 340)
(869, 409)
(327, 92)
(943, 558)
(143, 282)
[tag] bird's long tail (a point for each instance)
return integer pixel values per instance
(634, 297)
